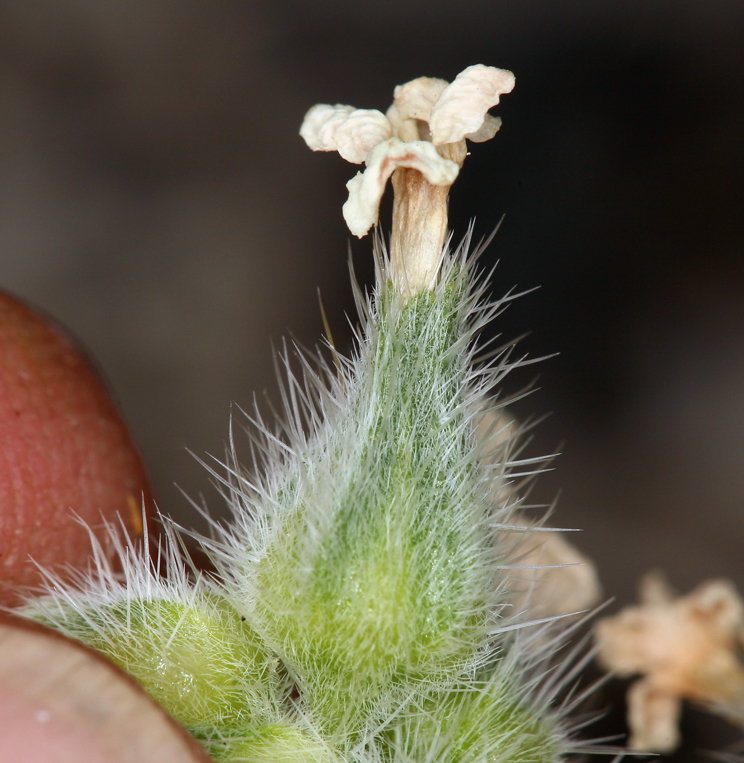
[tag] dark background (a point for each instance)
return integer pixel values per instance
(156, 198)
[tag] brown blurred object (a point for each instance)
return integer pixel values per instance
(685, 647)
(61, 702)
(64, 453)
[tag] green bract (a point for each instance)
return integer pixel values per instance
(378, 568)
(198, 658)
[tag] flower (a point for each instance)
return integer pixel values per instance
(686, 648)
(424, 130)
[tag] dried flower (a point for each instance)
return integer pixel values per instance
(686, 648)
(421, 143)
(552, 577)
(559, 579)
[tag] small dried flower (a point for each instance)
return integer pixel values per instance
(559, 579)
(421, 143)
(552, 577)
(686, 648)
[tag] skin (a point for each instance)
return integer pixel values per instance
(64, 450)
(63, 703)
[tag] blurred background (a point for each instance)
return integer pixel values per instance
(156, 198)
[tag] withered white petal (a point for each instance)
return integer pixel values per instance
(320, 124)
(352, 132)
(462, 106)
(405, 129)
(415, 99)
(366, 188)
(360, 133)
(489, 128)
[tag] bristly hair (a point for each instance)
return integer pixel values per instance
(121, 568)
(363, 606)
(366, 549)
